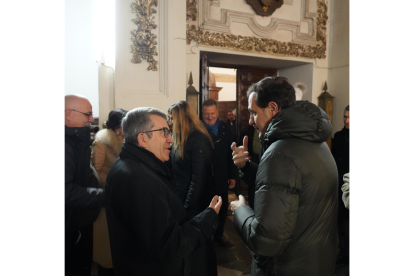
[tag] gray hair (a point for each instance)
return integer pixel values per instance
(137, 121)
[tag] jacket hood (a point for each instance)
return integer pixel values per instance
(303, 120)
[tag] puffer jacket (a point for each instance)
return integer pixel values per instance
(193, 178)
(292, 229)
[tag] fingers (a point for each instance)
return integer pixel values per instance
(245, 142)
(233, 146)
(218, 205)
(241, 198)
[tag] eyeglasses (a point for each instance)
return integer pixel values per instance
(165, 130)
(86, 114)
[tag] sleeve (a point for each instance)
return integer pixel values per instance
(78, 197)
(201, 159)
(269, 228)
(147, 210)
(98, 158)
(230, 164)
(345, 190)
(248, 173)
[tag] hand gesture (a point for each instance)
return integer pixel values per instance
(237, 203)
(240, 154)
(216, 204)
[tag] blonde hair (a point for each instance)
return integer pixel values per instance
(185, 121)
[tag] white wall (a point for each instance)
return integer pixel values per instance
(303, 74)
(81, 70)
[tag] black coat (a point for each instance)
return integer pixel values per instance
(340, 152)
(292, 229)
(79, 196)
(223, 166)
(194, 183)
(193, 179)
(148, 228)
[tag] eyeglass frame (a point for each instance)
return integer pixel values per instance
(86, 114)
(165, 130)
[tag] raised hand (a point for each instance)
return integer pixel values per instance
(240, 154)
(216, 204)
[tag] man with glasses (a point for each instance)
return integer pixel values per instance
(292, 228)
(81, 200)
(148, 229)
(223, 167)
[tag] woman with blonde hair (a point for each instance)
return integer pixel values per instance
(105, 150)
(191, 165)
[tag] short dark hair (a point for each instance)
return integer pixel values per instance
(273, 89)
(115, 118)
(346, 108)
(209, 102)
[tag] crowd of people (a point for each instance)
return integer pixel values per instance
(150, 196)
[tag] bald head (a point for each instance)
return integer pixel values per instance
(77, 109)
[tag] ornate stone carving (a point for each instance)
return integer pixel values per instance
(192, 9)
(143, 41)
(266, 45)
(265, 7)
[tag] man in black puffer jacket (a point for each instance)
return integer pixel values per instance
(292, 229)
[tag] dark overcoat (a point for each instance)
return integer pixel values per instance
(193, 181)
(292, 229)
(148, 227)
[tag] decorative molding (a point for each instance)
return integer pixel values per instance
(192, 9)
(143, 41)
(265, 7)
(303, 45)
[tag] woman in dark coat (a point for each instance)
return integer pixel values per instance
(191, 166)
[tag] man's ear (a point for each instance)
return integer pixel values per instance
(68, 114)
(273, 108)
(142, 140)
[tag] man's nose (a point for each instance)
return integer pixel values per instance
(170, 139)
(91, 119)
(251, 121)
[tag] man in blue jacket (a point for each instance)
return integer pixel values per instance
(292, 229)
(223, 168)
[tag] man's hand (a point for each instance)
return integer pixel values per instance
(240, 154)
(216, 204)
(231, 182)
(237, 203)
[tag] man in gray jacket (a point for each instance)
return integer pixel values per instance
(292, 229)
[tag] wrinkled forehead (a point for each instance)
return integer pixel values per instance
(158, 121)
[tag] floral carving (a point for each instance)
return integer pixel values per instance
(192, 9)
(143, 41)
(266, 45)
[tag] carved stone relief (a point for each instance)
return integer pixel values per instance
(213, 32)
(143, 41)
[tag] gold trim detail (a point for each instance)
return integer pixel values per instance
(192, 9)
(143, 41)
(266, 45)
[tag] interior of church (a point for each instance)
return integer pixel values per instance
(128, 54)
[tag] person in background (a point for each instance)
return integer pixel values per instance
(105, 150)
(292, 229)
(223, 167)
(340, 152)
(191, 166)
(149, 230)
(231, 120)
(82, 202)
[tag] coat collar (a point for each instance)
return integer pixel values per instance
(142, 155)
(81, 133)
